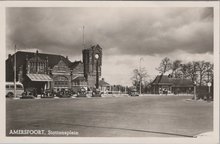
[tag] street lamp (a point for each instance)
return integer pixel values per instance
(209, 85)
(195, 90)
(140, 75)
(97, 71)
(15, 96)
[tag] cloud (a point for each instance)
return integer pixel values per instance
(125, 34)
(124, 31)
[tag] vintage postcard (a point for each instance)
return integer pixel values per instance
(109, 72)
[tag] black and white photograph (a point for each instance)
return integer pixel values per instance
(112, 71)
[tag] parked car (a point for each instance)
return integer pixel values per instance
(64, 93)
(81, 92)
(134, 93)
(96, 93)
(27, 95)
(48, 94)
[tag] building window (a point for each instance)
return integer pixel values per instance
(61, 81)
(41, 67)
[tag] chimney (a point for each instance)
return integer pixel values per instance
(9, 56)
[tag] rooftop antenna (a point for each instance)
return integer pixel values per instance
(83, 37)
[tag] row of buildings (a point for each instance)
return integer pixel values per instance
(49, 71)
(56, 72)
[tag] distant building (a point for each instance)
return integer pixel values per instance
(164, 84)
(104, 86)
(48, 71)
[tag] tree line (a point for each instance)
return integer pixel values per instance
(199, 72)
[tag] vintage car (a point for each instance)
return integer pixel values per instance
(47, 94)
(64, 93)
(81, 92)
(96, 93)
(134, 93)
(27, 95)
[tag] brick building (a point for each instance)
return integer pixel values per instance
(77, 75)
(90, 64)
(48, 71)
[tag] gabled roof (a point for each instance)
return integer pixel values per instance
(79, 78)
(162, 79)
(103, 83)
(52, 58)
(75, 64)
(96, 46)
(93, 47)
(175, 82)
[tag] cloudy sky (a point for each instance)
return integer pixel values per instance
(125, 34)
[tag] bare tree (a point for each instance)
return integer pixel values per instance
(139, 75)
(184, 70)
(189, 70)
(208, 76)
(192, 70)
(165, 65)
(175, 68)
(203, 67)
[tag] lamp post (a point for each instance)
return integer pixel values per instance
(97, 71)
(140, 75)
(195, 90)
(209, 85)
(15, 96)
(71, 77)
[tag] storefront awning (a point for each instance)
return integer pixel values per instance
(39, 77)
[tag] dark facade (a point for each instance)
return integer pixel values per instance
(90, 63)
(163, 84)
(48, 71)
(38, 70)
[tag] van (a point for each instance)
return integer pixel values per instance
(10, 89)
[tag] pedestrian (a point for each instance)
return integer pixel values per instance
(42, 92)
(34, 92)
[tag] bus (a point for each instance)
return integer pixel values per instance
(10, 89)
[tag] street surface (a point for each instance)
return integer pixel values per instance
(145, 116)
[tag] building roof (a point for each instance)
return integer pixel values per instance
(162, 79)
(79, 78)
(175, 82)
(93, 47)
(52, 58)
(179, 82)
(102, 83)
(75, 64)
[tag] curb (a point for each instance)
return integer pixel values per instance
(205, 135)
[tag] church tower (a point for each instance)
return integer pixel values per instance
(91, 58)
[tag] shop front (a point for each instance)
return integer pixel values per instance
(38, 82)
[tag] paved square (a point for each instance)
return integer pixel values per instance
(144, 116)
